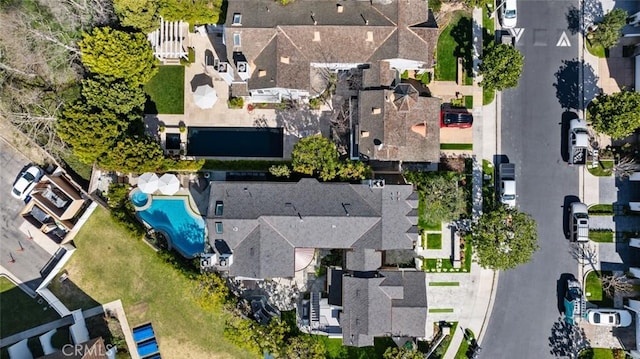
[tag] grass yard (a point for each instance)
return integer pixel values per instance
(593, 286)
(604, 168)
(112, 264)
(468, 100)
(166, 91)
(434, 241)
(602, 236)
(456, 146)
(335, 349)
(464, 346)
(599, 353)
(441, 310)
(601, 210)
(596, 50)
(444, 284)
(454, 42)
(487, 96)
(19, 311)
(431, 264)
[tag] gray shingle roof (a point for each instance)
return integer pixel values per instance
(362, 33)
(264, 221)
(394, 303)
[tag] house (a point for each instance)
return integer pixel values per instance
(260, 229)
(55, 205)
(264, 230)
(397, 125)
(276, 52)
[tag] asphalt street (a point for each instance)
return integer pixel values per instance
(526, 305)
(23, 257)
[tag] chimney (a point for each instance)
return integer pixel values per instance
(376, 110)
(316, 36)
(340, 8)
(364, 134)
(284, 59)
(369, 36)
(262, 73)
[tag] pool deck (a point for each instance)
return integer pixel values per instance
(297, 123)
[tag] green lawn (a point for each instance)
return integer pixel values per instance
(456, 146)
(440, 310)
(166, 90)
(112, 264)
(594, 287)
(603, 169)
(431, 264)
(444, 284)
(488, 96)
(468, 101)
(434, 241)
(596, 50)
(464, 346)
(601, 236)
(598, 353)
(335, 349)
(601, 210)
(19, 311)
(454, 42)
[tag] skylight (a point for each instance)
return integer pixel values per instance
(237, 19)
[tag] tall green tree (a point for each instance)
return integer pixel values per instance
(353, 170)
(402, 353)
(441, 196)
(616, 115)
(305, 347)
(89, 132)
(133, 154)
(609, 29)
(316, 155)
(504, 238)
(139, 14)
(501, 67)
(196, 12)
(119, 56)
(113, 96)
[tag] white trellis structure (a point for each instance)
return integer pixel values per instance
(168, 40)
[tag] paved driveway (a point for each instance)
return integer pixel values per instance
(31, 258)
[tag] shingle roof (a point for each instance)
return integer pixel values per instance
(263, 222)
(405, 129)
(283, 41)
(392, 303)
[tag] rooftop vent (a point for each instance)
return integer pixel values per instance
(340, 8)
(284, 59)
(364, 134)
(376, 110)
(242, 67)
(316, 36)
(262, 73)
(222, 67)
(369, 36)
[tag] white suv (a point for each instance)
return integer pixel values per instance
(26, 182)
(509, 14)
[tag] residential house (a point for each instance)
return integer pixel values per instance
(276, 52)
(55, 205)
(264, 230)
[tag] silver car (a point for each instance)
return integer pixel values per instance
(609, 317)
(26, 182)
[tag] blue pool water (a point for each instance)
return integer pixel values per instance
(235, 142)
(143, 333)
(139, 198)
(185, 229)
(147, 348)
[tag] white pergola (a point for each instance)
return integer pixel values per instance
(167, 41)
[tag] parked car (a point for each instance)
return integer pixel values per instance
(509, 14)
(572, 300)
(26, 182)
(455, 118)
(609, 317)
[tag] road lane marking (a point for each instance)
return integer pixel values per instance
(517, 32)
(563, 41)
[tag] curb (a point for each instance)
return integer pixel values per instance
(492, 299)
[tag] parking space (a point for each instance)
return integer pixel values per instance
(21, 258)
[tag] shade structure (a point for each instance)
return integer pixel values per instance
(148, 182)
(205, 96)
(303, 257)
(169, 184)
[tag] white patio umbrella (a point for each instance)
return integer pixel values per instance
(205, 96)
(148, 182)
(169, 184)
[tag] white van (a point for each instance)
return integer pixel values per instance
(509, 13)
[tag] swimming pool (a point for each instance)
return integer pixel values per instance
(172, 216)
(235, 142)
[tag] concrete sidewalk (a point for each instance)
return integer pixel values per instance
(475, 309)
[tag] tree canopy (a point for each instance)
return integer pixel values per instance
(402, 353)
(89, 132)
(609, 29)
(196, 12)
(113, 96)
(138, 14)
(133, 154)
(617, 115)
(315, 155)
(504, 238)
(118, 55)
(441, 195)
(501, 67)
